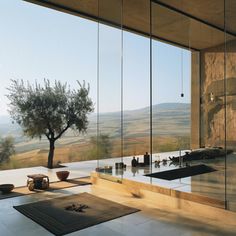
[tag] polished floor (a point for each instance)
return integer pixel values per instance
(149, 221)
(209, 184)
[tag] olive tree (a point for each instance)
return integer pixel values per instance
(49, 110)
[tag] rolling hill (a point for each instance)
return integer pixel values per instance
(169, 119)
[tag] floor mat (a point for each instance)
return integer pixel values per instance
(62, 216)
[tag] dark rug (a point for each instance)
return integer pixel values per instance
(62, 216)
(182, 172)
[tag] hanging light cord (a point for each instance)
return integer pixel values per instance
(98, 65)
(182, 74)
(151, 92)
(122, 81)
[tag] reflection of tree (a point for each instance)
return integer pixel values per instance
(173, 143)
(101, 146)
(183, 142)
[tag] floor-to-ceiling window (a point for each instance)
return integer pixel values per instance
(109, 80)
(212, 61)
(39, 43)
(171, 98)
(136, 96)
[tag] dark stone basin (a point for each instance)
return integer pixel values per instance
(182, 172)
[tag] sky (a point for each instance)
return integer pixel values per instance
(38, 43)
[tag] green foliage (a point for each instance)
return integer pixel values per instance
(6, 149)
(168, 147)
(101, 147)
(11, 164)
(49, 110)
(180, 143)
(184, 142)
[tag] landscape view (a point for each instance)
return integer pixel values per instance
(171, 131)
(54, 46)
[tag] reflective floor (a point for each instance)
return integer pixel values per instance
(209, 184)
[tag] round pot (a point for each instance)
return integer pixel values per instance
(6, 188)
(62, 175)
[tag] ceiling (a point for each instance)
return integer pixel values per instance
(209, 11)
(195, 24)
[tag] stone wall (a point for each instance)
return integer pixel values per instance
(218, 109)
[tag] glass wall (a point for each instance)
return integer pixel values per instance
(230, 103)
(39, 44)
(171, 93)
(171, 99)
(136, 96)
(205, 45)
(109, 80)
(124, 90)
(212, 60)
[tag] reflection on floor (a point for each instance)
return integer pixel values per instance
(209, 184)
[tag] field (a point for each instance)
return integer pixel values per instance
(171, 131)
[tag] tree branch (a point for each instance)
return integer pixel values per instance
(47, 135)
(64, 130)
(49, 128)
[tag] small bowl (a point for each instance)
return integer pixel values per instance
(62, 175)
(6, 188)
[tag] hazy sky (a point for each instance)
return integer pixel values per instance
(38, 43)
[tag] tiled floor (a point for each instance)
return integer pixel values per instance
(149, 221)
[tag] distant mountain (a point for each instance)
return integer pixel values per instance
(6, 119)
(156, 107)
(167, 119)
(172, 106)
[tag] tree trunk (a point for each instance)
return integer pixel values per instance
(51, 153)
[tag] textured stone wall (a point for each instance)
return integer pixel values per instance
(218, 112)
